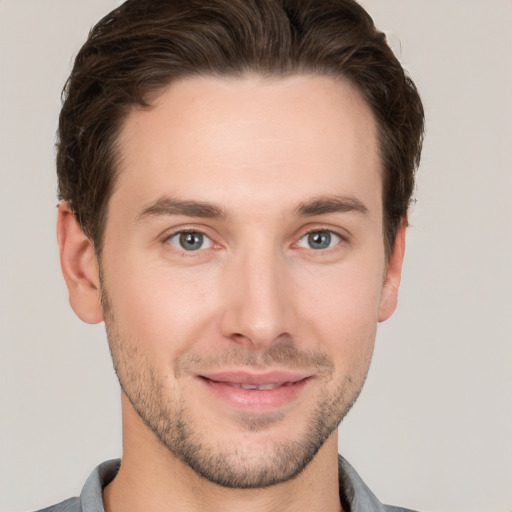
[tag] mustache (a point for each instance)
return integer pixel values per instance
(281, 354)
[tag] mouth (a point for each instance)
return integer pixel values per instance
(252, 392)
(260, 387)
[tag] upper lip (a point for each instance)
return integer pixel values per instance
(260, 379)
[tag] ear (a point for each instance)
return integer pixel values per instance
(79, 266)
(389, 295)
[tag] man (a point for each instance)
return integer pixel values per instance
(234, 178)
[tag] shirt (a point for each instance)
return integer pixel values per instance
(354, 494)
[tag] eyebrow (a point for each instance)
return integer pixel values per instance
(318, 206)
(173, 206)
(331, 204)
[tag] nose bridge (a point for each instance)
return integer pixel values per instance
(257, 302)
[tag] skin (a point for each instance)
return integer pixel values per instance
(276, 160)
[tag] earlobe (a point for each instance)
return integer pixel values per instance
(79, 266)
(389, 296)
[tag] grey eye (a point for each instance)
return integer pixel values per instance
(322, 239)
(190, 241)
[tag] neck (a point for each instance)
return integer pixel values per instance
(151, 479)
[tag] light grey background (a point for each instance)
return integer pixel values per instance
(432, 429)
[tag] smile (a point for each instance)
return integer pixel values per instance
(261, 387)
(256, 393)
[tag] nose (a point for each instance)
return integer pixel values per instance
(257, 308)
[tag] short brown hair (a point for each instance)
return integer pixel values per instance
(143, 45)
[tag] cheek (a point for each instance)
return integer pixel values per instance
(342, 308)
(163, 309)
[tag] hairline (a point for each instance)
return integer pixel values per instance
(152, 96)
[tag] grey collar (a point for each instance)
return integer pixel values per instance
(355, 496)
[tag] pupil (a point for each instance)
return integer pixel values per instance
(191, 241)
(319, 240)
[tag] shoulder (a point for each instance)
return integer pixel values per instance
(389, 508)
(91, 499)
(69, 505)
(355, 495)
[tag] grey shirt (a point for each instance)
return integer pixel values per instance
(354, 494)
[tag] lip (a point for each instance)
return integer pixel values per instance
(256, 392)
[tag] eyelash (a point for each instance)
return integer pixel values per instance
(168, 237)
(330, 231)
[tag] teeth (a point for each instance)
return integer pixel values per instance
(261, 387)
(268, 386)
(249, 386)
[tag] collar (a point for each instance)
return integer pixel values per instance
(355, 496)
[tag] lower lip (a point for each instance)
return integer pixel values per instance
(256, 400)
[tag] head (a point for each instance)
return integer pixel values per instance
(237, 176)
(143, 46)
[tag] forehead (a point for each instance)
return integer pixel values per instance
(223, 139)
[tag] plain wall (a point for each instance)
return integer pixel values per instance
(432, 429)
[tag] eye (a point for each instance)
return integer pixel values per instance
(190, 241)
(321, 239)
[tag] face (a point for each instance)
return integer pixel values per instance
(243, 269)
